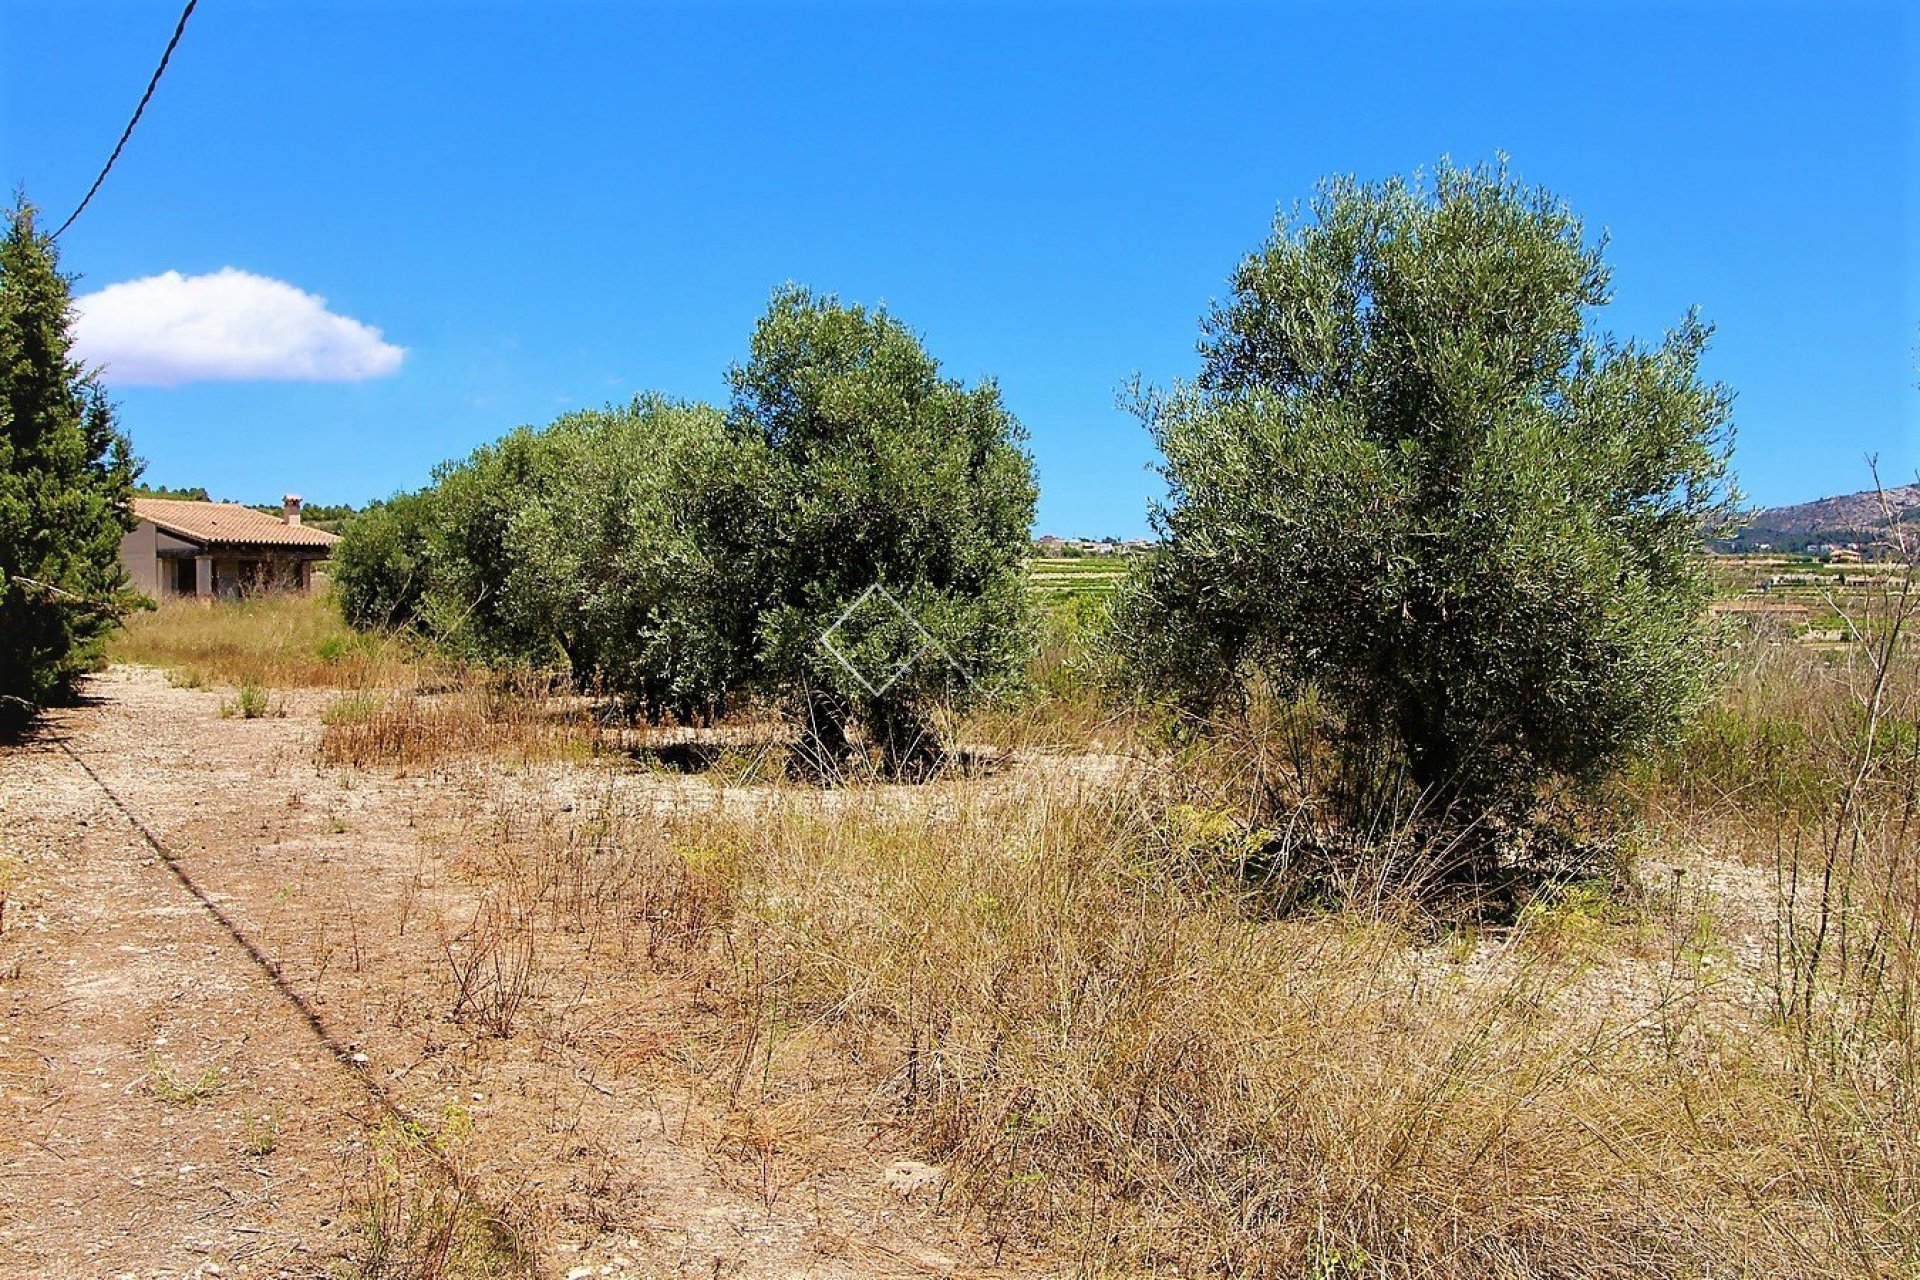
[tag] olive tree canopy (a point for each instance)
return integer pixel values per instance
(1414, 476)
(895, 514)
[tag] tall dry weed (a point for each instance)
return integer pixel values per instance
(1809, 768)
(473, 715)
(1025, 978)
(273, 641)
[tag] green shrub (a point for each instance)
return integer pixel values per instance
(597, 546)
(249, 703)
(381, 566)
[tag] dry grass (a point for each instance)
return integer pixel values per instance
(272, 642)
(477, 717)
(417, 1216)
(398, 705)
(1129, 1065)
(1811, 771)
(1155, 1081)
(1049, 983)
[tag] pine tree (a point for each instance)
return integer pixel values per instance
(66, 484)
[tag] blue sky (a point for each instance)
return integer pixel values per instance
(551, 205)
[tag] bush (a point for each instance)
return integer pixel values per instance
(599, 545)
(633, 562)
(381, 565)
(1410, 477)
(249, 703)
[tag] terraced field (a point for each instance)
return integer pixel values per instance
(1060, 578)
(1809, 595)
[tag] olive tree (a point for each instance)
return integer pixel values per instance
(1413, 476)
(892, 533)
(603, 545)
(474, 504)
(382, 566)
(631, 564)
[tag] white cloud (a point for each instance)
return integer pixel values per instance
(230, 326)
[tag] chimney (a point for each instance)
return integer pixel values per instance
(290, 508)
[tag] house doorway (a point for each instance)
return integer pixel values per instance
(185, 577)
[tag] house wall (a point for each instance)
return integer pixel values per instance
(139, 552)
(151, 556)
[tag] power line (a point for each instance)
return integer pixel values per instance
(145, 98)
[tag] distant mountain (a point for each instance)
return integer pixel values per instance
(1852, 517)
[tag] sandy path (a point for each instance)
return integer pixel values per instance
(164, 1109)
(167, 1111)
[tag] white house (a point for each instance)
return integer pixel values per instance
(209, 549)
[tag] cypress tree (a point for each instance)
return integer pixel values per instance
(66, 484)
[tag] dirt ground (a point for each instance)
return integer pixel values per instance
(231, 1051)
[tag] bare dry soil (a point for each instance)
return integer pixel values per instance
(228, 1042)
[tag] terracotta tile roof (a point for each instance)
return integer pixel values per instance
(228, 524)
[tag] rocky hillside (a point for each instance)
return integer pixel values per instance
(1853, 517)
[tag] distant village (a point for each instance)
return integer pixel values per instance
(1070, 548)
(1867, 552)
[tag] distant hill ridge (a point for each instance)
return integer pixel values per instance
(1852, 511)
(1846, 518)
